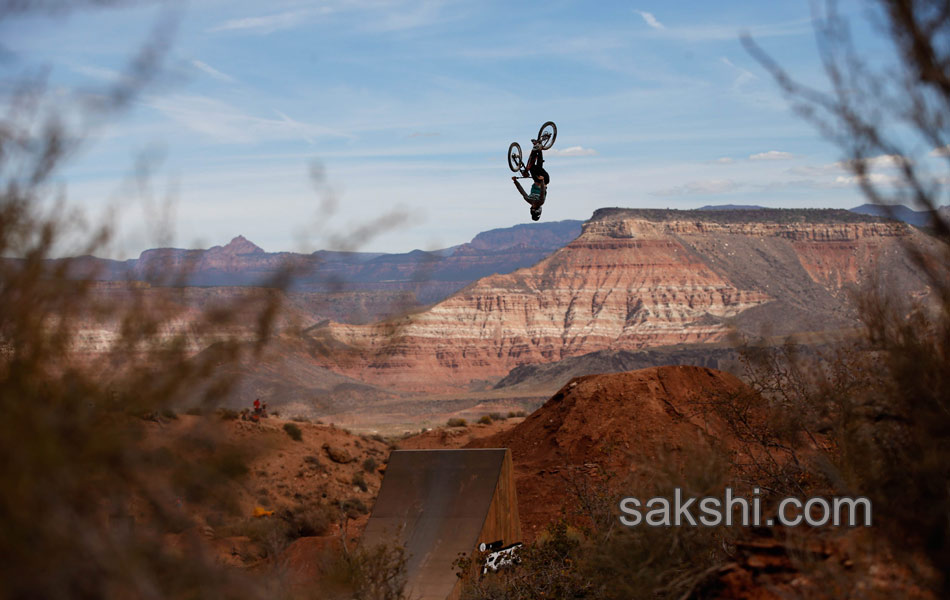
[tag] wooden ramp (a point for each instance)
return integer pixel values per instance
(439, 503)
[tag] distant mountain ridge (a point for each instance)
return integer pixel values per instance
(918, 218)
(430, 275)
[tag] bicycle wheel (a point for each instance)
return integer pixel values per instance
(547, 134)
(514, 157)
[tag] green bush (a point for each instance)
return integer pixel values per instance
(293, 431)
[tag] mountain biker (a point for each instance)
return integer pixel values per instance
(535, 169)
(535, 164)
(536, 197)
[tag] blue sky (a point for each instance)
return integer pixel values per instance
(409, 106)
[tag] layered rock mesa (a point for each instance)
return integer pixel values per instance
(642, 278)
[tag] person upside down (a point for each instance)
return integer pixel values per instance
(540, 179)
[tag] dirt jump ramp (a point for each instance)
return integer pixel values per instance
(440, 503)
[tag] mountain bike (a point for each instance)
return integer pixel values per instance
(546, 136)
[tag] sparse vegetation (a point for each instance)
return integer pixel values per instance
(227, 414)
(456, 422)
(369, 465)
(360, 481)
(293, 431)
(516, 413)
(353, 508)
(485, 420)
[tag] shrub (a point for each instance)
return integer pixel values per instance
(497, 416)
(293, 431)
(353, 507)
(307, 520)
(299, 419)
(169, 414)
(516, 413)
(369, 465)
(360, 481)
(227, 414)
(456, 422)
(485, 420)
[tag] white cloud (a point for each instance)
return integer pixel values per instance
(883, 161)
(875, 178)
(771, 155)
(941, 151)
(708, 186)
(651, 20)
(574, 151)
(268, 23)
(742, 75)
(228, 124)
(724, 160)
(203, 66)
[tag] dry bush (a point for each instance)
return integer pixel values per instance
(366, 573)
(589, 554)
(293, 431)
(87, 505)
(889, 428)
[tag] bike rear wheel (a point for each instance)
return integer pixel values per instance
(514, 157)
(547, 134)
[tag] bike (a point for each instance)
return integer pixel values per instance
(546, 136)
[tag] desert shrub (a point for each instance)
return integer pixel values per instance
(293, 431)
(516, 413)
(299, 419)
(485, 420)
(367, 573)
(359, 481)
(378, 438)
(353, 507)
(456, 422)
(497, 416)
(307, 520)
(369, 465)
(169, 414)
(227, 414)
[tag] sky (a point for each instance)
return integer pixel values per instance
(384, 125)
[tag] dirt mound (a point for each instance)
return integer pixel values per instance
(623, 421)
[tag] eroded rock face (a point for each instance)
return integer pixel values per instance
(636, 279)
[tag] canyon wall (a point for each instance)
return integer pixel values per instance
(641, 278)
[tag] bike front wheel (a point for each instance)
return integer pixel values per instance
(547, 134)
(514, 157)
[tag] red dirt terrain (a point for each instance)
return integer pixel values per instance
(624, 421)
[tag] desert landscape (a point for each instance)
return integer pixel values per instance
(277, 322)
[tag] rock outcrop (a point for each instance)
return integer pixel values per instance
(641, 278)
